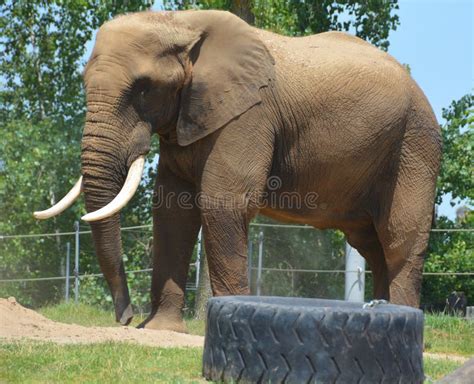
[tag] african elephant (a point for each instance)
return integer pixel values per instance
(327, 116)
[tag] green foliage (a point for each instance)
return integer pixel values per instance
(370, 20)
(41, 117)
(94, 291)
(44, 43)
(453, 251)
(457, 170)
(29, 179)
(449, 252)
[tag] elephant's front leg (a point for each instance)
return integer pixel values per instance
(225, 235)
(176, 223)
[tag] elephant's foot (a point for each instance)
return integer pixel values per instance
(163, 322)
(126, 316)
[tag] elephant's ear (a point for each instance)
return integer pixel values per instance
(230, 65)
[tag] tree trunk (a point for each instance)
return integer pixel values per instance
(203, 291)
(243, 9)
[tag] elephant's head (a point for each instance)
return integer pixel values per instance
(182, 75)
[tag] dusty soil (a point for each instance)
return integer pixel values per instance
(18, 322)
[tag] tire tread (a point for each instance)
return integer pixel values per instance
(257, 342)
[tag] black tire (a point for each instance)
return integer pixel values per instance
(294, 340)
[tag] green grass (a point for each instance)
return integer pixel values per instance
(28, 362)
(435, 369)
(196, 327)
(446, 334)
(80, 314)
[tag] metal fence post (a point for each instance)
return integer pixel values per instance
(68, 258)
(76, 263)
(198, 258)
(260, 262)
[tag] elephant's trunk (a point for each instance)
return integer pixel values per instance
(108, 246)
(104, 171)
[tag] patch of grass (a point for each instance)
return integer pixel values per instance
(447, 334)
(196, 327)
(89, 316)
(81, 314)
(435, 369)
(28, 362)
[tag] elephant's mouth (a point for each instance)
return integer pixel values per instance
(123, 197)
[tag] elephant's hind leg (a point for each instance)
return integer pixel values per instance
(405, 218)
(365, 240)
(404, 251)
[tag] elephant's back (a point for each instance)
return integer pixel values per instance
(341, 75)
(326, 50)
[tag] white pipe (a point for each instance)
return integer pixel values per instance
(355, 275)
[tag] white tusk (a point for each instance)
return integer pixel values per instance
(62, 204)
(129, 188)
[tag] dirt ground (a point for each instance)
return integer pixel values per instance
(18, 322)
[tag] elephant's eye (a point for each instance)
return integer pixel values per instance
(143, 95)
(142, 98)
(140, 90)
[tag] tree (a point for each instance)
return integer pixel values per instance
(453, 251)
(449, 252)
(457, 173)
(243, 9)
(370, 20)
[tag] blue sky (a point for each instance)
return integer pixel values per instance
(435, 37)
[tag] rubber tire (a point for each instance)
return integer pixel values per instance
(294, 340)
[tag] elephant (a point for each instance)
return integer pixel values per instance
(323, 130)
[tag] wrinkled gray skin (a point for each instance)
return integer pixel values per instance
(327, 114)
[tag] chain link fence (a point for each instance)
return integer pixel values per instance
(284, 260)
